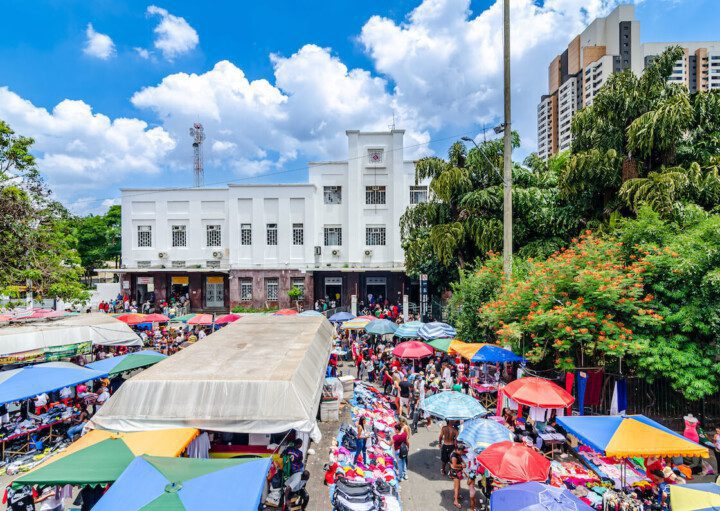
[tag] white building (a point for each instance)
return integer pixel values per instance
(333, 237)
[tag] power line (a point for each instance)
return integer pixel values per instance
(91, 200)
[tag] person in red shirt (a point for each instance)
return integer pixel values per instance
(401, 448)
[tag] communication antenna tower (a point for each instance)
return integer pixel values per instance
(198, 134)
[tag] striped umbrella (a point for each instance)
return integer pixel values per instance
(381, 327)
(481, 433)
(451, 405)
(355, 324)
(436, 330)
(409, 330)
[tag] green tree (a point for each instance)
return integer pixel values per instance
(36, 242)
(98, 238)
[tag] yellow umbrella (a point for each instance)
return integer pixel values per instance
(355, 324)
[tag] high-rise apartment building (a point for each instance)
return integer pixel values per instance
(606, 46)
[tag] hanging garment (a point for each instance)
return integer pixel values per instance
(569, 382)
(581, 384)
(593, 390)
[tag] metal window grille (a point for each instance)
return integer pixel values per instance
(333, 236)
(272, 234)
(179, 236)
(374, 195)
(245, 234)
(375, 235)
(214, 235)
(298, 234)
(144, 235)
(246, 290)
(212, 264)
(271, 289)
(332, 194)
(300, 284)
(418, 194)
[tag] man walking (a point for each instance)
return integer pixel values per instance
(448, 436)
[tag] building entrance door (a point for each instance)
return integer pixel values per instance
(333, 291)
(377, 287)
(215, 293)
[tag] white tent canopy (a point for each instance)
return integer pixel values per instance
(260, 374)
(98, 328)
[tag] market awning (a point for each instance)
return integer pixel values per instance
(27, 382)
(122, 363)
(187, 484)
(695, 497)
(256, 375)
(43, 339)
(624, 436)
(101, 456)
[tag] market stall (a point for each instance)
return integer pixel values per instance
(123, 363)
(187, 484)
(257, 375)
(534, 496)
(452, 405)
(512, 462)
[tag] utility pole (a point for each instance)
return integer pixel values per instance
(507, 150)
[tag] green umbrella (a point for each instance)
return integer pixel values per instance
(183, 319)
(123, 363)
(441, 344)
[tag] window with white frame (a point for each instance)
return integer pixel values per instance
(299, 283)
(246, 234)
(333, 236)
(298, 234)
(246, 290)
(332, 194)
(418, 194)
(374, 195)
(179, 236)
(144, 238)
(272, 289)
(375, 235)
(213, 234)
(272, 234)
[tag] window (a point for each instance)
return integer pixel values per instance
(213, 235)
(245, 234)
(144, 236)
(271, 289)
(333, 236)
(298, 234)
(179, 236)
(332, 194)
(418, 194)
(246, 289)
(299, 283)
(374, 195)
(272, 234)
(375, 235)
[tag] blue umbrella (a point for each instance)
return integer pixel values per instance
(339, 317)
(409, 330)
(436, 330)
(494, 354)
(535, 497)
(310, 313)
(451, 405)
(381, 327)
(152, 483)
(481, 433)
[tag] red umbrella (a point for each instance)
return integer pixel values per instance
(132, 319)
(538, 392)
(285, 312)
(227, 318)
(156, 318)
(412, 349)
(201, 319)
(515, 462)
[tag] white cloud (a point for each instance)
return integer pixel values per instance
(98, 45)
(142, 52)
(447, 63)
(175, 36)
(80, 150)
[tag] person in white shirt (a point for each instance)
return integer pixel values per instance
(65, 393)
(41, 401)
(51, 500)
(103, 396)
(447, 376)
(201, 334)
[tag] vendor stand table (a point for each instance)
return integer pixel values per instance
(486, 393)
(25, 449)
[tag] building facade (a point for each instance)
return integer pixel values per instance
(609, 45)
(333, 237)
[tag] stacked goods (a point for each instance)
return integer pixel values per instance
(372, 485)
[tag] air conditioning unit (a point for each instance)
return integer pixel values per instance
(336, 252)
(162, 255)
(218, 254)
(368, 252)
(318, 250)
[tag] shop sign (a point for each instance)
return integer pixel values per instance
(25, 356)
(55, 353)
(182, 281)
(215, 280)
(145, 280)
(333, 281)
(126, 284)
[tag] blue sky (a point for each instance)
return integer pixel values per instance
(109, 88)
